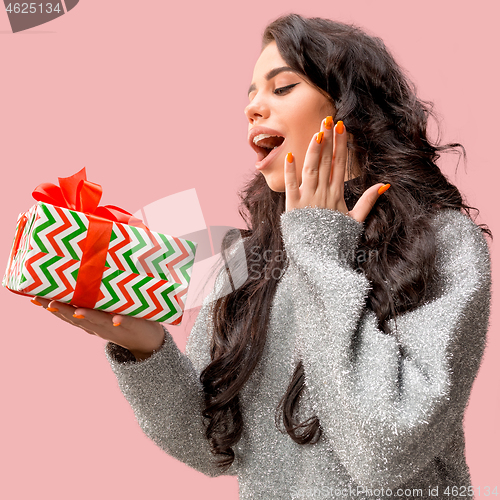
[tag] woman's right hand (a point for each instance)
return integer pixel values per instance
(140, 336)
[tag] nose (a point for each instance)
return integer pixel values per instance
(258, 108)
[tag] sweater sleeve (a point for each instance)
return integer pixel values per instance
(387, 404)
(166, 395)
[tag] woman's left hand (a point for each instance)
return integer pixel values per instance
(323, 175)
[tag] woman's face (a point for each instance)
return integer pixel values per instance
(283, 101)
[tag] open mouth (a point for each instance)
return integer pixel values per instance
(265, 143)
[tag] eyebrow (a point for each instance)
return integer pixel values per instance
(272, 74)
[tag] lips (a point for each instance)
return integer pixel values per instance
(265, 155)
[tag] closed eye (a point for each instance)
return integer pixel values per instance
(284, 90)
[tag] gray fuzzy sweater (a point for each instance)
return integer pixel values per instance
(390, 406)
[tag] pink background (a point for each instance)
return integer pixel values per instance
(149, 96)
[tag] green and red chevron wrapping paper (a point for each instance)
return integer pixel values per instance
(146, 274)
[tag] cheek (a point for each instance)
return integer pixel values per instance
(306, 131)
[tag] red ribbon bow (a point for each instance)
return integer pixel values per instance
(77, 193)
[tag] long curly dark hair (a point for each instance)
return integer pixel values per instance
(379, 106)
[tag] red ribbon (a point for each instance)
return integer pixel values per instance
(77, 193)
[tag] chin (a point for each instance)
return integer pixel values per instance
(278, 186)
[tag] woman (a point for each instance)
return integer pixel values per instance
(344, 364)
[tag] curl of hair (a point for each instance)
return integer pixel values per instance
(379, 106)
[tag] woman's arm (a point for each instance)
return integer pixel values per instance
(166, 395)
(386, 404)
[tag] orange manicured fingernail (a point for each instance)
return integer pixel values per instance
(328, 122)
(116, 324)
(52, 309)
(319, 137)
(384, 188)
(79, 316)
(339, 128)
(34, 301)
(289, 157)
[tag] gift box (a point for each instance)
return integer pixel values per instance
(69, 249)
